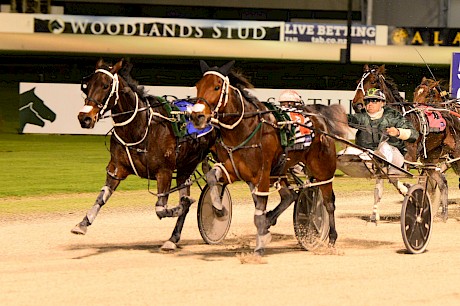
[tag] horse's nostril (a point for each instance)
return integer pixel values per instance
(86, 122)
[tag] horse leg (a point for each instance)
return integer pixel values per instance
(287, 197)
(110, 185)
(164, 178)
(263, 237)
(212, 178)
(261, 221)
(329, 202)
(441, 180)
(378, 192)
(186, 201)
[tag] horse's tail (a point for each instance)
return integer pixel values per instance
(334, 117)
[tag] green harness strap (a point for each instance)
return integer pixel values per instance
(179, 127)
(281, 116)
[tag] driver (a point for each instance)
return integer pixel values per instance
(379, 120)
(290, 98)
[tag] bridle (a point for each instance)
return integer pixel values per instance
(104, 104)
(367, 73)
(223, 100)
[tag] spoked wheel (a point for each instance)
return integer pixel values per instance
(416, 219)
(311, 220)
(213, 228)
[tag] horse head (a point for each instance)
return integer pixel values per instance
(373, 76)
(429, 91)
(101, 89)
(212, 93)
(33, 110)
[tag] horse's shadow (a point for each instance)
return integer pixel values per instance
(230, 247)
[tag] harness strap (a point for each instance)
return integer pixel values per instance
(115, 86)
(224, 98)
(132, 117)
(230, 150)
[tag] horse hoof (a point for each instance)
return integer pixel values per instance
(375, 218)
(261, 242)
(220, 213)
(168, 246)
(79, 230)
(444, 218)
(187, 201)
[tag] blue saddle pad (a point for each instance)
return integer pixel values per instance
(184, 105)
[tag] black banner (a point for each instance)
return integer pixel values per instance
(423, 36)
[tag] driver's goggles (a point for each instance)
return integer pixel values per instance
(367, 101)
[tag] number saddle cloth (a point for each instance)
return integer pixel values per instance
(297, 133)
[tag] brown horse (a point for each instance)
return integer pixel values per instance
(432, 92)
(429, 91)
(249, 148)
(143, 142)
(430, 147)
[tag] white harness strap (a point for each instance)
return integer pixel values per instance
(115, 86)
(223, 99)
(361, 83)
(221, 166)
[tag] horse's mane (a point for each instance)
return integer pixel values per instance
(241, 82)
(390, 83)
(125, 73)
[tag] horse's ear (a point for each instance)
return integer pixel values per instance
(381, 69)
(99, 63)
(117, 66)
(204, 67)
(225, 69)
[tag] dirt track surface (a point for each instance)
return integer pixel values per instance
(118, 262)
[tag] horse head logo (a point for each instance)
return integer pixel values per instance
(32, 110)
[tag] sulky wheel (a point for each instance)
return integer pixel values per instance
(416, 219)
(311, 220)
(213, 228)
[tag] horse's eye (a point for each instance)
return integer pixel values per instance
(106, 86)
(217, 87)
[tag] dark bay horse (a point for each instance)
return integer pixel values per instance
(143, 142)
(249, 148)
(430, 147)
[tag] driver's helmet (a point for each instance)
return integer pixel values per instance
(290, 97)
(374, 94)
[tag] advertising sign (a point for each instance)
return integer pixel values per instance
(423, 36)
(158, 27)
(455, 75)
(52, 108)
(329, 33)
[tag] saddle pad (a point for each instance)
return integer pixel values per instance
(190, 129)
(436, 123)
